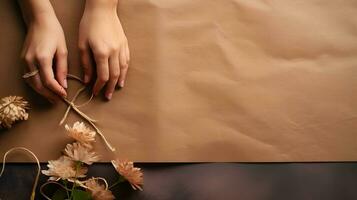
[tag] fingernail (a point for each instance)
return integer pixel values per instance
(122, 84)
(64, 93)
(109, 96)
(65, 83)
(86, 78)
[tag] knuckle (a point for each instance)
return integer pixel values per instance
(114, 48)
(27, 58)
(101, 55)
(81, 47)
(42, 57)
(102, 52)
(103, 78)
(115, 75)
(63, 53)
(125, 66)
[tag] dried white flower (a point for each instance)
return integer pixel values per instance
(98, 191)
(81, 134)
(78, 152)
(132, 174)
(12, 109)
(64, 168)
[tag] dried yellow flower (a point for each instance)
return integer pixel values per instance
(78, 152)
(63, 168)
(132, 174)
(12, 109)
(98, 191)
(81, 134)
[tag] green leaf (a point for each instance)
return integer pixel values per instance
(60, 194)
(81, 195)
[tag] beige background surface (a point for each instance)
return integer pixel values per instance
(228, 80)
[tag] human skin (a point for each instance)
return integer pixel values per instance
(44, 46)
(101, 38)
(101, 35)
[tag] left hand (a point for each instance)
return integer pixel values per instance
(101, 35)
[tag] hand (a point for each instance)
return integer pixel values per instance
(101, 35)
(45, 49)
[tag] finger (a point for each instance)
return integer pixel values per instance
(47, 76)
(30, 63)
(86, 64)
(123, 67)
(127, 51)
(36, 84)
(114, 72)
(102, 72)
(35, 81)
(61, 67)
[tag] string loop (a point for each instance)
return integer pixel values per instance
(71, 105)
(37, 162)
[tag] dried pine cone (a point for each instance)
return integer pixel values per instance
(12, 108)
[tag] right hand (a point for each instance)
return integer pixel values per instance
(45, 49)
(102, 39)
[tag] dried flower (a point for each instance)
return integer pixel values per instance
(132, 174)
(12, 108)
(81, 134)
(78, 152)
(63, 168)
(98, 191)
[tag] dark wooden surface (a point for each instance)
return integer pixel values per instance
(216, 181)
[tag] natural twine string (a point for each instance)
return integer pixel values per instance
(80, 183)
(72, 105)
(48, 183)
(38, 166)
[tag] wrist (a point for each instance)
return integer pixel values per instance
(36, 10)
(101, 6)
(43, 17)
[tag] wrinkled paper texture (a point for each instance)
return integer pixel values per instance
(228, 80)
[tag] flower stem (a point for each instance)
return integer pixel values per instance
(66, 186)
(120, 180)
(78, 165)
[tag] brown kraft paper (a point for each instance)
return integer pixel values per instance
(228, 80)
